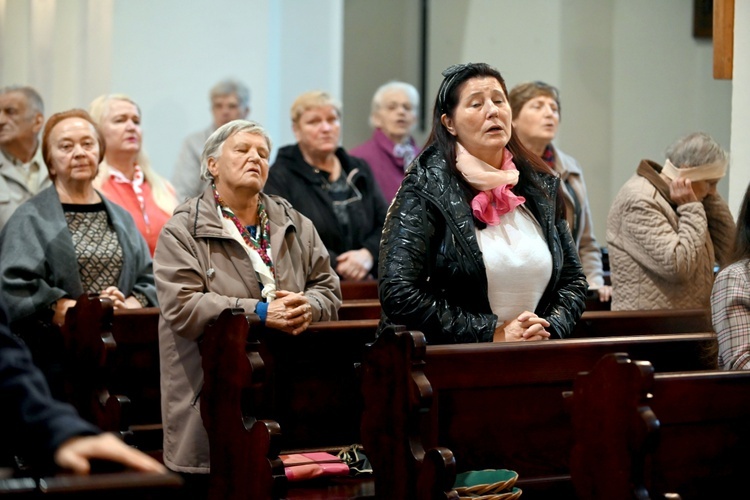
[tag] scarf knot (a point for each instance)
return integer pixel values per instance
(495, 198)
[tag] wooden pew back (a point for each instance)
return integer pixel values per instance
(89, 348)
(244, 450)
(313, 389)
(307, 383)
(135, 373)
(595, 322)
(113, 368)
(641, 434)
(660, 321)
(358, 290)
(492, 405)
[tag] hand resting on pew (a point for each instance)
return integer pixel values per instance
(118, 299)
(527, 326)
(76, 453)
(112, 293)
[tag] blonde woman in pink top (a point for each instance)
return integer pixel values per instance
(125, 176)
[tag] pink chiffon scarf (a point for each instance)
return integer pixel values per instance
(495, 197)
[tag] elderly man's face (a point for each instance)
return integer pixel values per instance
(242, 164)
(18, 123)
(226, 108)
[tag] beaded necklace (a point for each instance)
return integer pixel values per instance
(262, 240)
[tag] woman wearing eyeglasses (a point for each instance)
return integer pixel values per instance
(536, 117)
(337, 192)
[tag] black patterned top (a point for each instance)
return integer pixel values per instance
(97, 247)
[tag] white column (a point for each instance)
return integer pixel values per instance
(739, 170)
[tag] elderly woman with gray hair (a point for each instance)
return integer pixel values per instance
(231, 247)
(391, 148)
(668, 227)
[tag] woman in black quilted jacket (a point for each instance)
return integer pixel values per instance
(475, 247)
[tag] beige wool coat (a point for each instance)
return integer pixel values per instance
(662, 256)
(200, 270)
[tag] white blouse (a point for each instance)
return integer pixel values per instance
(518, 262)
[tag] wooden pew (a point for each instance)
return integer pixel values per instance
(306, 383)
(112, 369)
(114, 485)
(244, 450)
(135, 373)
(358, 290)
(88, 349)
(644, 435)
(660, 321)
(355, 309)
(313, 390)
(596, 321)
(491, 405)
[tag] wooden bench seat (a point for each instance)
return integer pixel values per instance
(491, 405)
(640, 434)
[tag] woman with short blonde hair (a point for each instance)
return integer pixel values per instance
(336, 191)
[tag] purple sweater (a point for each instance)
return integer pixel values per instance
(387, 168)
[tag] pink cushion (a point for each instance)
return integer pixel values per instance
(301, 466)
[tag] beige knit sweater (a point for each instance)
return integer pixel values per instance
(662, 256)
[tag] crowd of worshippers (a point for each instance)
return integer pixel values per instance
(483, 233)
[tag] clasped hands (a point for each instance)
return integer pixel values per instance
(354, 264)
(289, 312)
(527, 326)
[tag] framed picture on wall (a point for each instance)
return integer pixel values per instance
(703, 18)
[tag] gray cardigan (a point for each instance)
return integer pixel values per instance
(38, 263)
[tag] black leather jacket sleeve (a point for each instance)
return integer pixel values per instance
(413, 230)
(565, 301)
